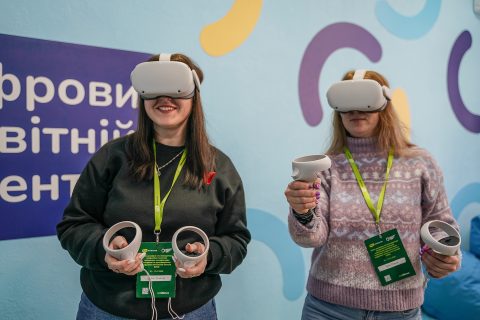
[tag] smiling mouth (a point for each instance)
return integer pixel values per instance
(165, 108)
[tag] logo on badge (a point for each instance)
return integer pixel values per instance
(390, 238)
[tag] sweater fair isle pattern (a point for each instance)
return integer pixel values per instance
(341, 271)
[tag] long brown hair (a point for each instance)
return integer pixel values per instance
(200, 153)
(390, 130)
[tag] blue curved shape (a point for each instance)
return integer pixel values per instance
(467, 195)
(273, 232)
(408, 27)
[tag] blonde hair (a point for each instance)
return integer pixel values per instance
(390, 130)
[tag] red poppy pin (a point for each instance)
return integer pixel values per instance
(208, 177)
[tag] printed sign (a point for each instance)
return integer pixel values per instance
(59, 103)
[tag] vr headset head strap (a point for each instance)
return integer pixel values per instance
(196, 79)
(164, 57)
(168, 57)
(359, 74)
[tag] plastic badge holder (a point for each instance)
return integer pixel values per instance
(448, 245)
(307, 168)
(189, 261)
(130, 251)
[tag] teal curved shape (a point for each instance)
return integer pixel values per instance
(273, 232)
(408, 27)
(467, 195)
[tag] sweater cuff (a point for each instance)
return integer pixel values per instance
(215, 255)
(101, 255)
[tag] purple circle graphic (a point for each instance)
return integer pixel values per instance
(469, 121)
(324, 43)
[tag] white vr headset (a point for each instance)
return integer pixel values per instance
(164, 77)
(358, 94)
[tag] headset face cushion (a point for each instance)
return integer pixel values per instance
(163, 78)
(356, 95)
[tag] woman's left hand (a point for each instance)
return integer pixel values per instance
(128, 267)
(438, 265)
(198, 268)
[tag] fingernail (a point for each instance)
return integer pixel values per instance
(317, 195)
(316, 185)
(181, 269)
(142, 255)
(426, 248)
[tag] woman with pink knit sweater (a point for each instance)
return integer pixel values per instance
(363, 215)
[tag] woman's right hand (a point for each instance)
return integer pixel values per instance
(128, 267)
(303, 196)
(196, 269)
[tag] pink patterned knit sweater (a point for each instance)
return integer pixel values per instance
(341, 271)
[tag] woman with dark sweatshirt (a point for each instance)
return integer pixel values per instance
(198, 186)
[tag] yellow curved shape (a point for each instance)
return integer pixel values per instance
(401, 106)
(233, 29)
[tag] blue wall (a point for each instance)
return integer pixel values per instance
(260, 111)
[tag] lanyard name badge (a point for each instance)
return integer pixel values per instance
(159, 255)
(386, 250)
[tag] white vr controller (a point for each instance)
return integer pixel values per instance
(130, 251)
(307, 168)
(185, 260)
(448, 245)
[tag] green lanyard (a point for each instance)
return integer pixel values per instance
(159, 204)
(375, 212)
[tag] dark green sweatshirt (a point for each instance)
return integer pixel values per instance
(106, 194)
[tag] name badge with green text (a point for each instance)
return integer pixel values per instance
(389, 257)
(159, 264)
